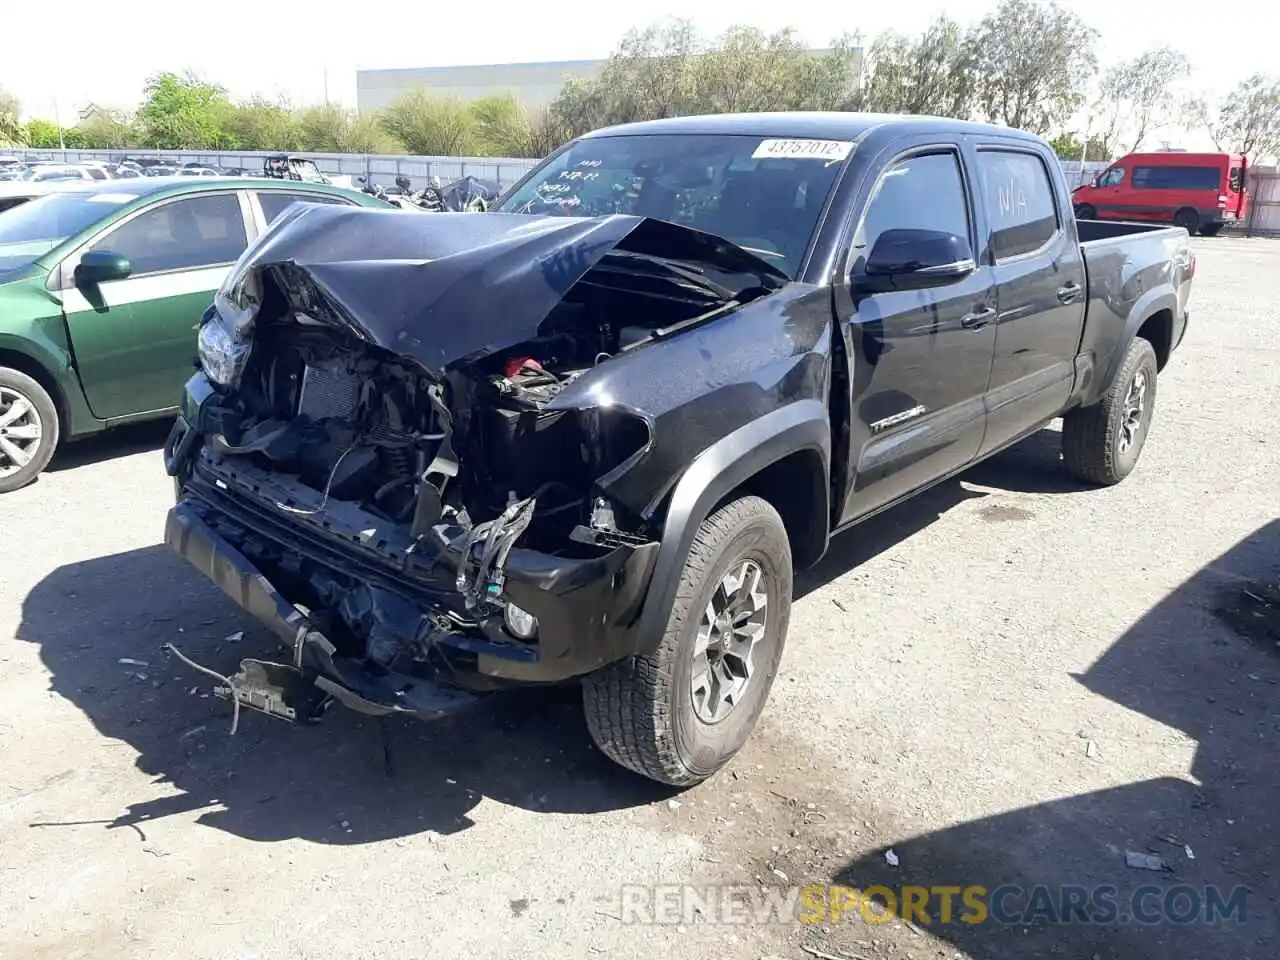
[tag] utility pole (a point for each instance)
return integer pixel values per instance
(326, 86)
(57, 118)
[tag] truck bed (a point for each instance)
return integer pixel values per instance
(1093, 231)
(1126, 266)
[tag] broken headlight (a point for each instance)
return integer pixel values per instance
(226, 332)
(222, 355)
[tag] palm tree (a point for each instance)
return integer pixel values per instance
(11, 130)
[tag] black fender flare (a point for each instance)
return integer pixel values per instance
(714, 473)
(1144, 308)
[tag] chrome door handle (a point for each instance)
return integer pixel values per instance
(1068, 293)
(978, 319)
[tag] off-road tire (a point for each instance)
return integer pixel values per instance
(1086, 212)
(1211, 229)
(640, 710)
(1091, 435)
(36, 395)
(1188, 220)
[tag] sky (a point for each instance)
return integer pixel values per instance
(306, 51)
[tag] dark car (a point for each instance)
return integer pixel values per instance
(591, 435)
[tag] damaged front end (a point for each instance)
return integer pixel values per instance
(397, 463)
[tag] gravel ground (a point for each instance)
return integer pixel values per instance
(1011, 680)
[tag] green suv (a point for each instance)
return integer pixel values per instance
(102, 286)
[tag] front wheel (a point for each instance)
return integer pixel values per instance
(28, 429)
(681, 713)
(1101, 443)
(1086, 212)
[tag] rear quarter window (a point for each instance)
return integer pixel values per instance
(1019, 201)
(276, 202)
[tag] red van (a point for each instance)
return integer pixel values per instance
(1201, 192)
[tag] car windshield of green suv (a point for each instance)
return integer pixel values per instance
(34, 228)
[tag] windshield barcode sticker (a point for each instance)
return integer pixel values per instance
(831, 151)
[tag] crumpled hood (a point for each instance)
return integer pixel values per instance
(453, 287)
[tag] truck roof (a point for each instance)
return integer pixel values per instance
(831, 125)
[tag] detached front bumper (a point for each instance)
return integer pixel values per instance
(277, 567)
(314, 657)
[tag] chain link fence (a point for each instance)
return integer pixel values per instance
(377, 168)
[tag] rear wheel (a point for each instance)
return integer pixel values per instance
(1211, 229)
(1086, 212)
(1188, 220)
(28, 429)
(679, 714)
(1101, 443)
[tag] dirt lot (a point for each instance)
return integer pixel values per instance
(1010, 681)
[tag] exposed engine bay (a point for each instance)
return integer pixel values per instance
(386, 493)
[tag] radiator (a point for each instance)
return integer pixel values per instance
(328, 392)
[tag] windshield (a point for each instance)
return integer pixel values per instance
(764, 195)
(33, 229)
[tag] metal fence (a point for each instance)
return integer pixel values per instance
(384, 168)
(1263, 218)
(378, 168)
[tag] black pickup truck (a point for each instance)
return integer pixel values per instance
(591, 435)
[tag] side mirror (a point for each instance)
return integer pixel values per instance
(101, 266)
(910, 259)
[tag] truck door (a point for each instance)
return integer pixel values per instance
(1040, 292)
(134, 339)
(919, 358)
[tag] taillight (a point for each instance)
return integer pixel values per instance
(1222, 200)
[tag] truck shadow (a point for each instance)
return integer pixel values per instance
(1205, 661)
(349, 779)
(120, 442)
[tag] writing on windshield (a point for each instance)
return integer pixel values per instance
(762, 194)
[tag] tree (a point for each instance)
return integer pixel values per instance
(260, 124)
(669, 70)
(1248, 119)
(333, 129)
(43, 134)
(1068, 147)
(431, 126)
(929, 74)
(11, 129)
(1139, 93)
(106, 130)
(503, 128)
(1032, 62)
(183, 111)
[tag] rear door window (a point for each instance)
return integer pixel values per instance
(1019, 202)
(1177, 178)
(1236, 179)
(276, 202)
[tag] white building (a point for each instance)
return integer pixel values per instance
(536, 85)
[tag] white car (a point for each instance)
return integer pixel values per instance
(39, 172)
